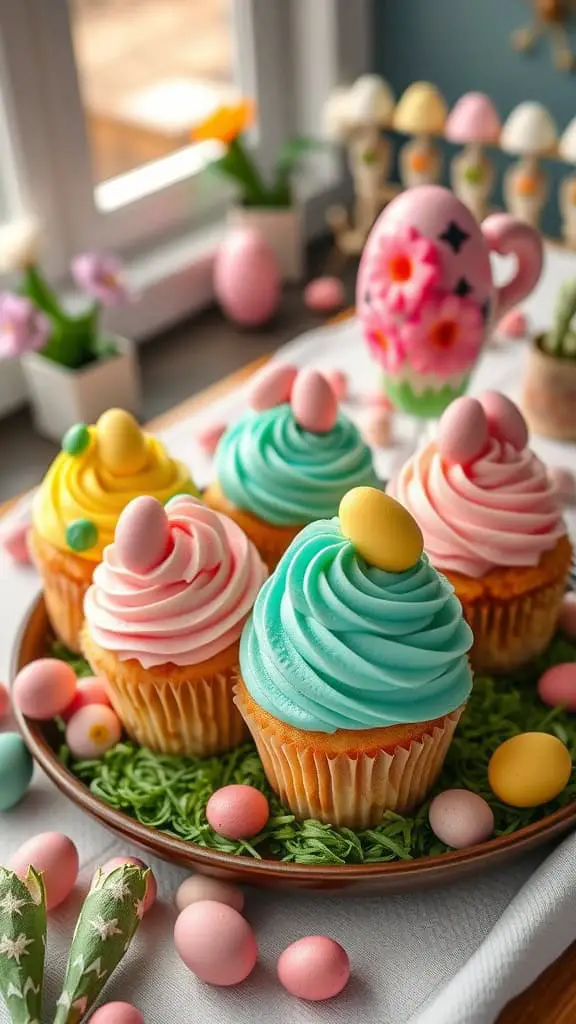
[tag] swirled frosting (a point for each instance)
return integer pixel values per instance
(334, 643)
(502, 511)
(189, 607)
(269, 466)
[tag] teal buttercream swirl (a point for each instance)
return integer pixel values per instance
(271, 467)
(335, 643)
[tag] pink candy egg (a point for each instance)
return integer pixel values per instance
(237, 812)
(324, 294)
(557, 686)
(567, 621)
(209, 435)
(92, 731)
(44, 688)
(272, 386)
(338, 381)
(56, 857)
(463, 431)
(460, 818)
(513, 324)
(505, 421)
(315, 967)
(199, 887)
(14, 540)
(314, 403)
(375, 426)
(564, 484)
(247, 278)
(4, 701)
(142, 539)
(151, 885)
(117, 1013)
(215, 942)
(89, 690)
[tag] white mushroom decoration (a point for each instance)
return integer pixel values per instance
(529, 132)
(473, 123)
(567, 196)
(421, 112)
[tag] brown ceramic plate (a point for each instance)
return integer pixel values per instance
(42, 737)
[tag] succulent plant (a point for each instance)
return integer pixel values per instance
(560, 341)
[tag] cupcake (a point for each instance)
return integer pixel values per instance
(288, 461)
(99, 470)
(492, 523)
(353, 665)
(163, 621)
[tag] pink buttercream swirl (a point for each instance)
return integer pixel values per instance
(500, 512)
(189, 607)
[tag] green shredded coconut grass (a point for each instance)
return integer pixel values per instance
(170, 793)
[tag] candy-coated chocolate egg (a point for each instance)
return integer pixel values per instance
(338, 381)
(56, 857)
(209, 435)
(89, 690)
(199, 887)
(272, 386)
(315, 967)
(143, 538)
(81, 535)
(76, 439)
(121, 443)
(215, 942)
(564, 484)
(567, 621)
(375, 426)
(381, 529)
(324, 294)
(237, 812)
(529, 769)
(463, 431)
(117, 1013)
(92, 731)
(16, 768)
(505, 421)
(14, 540)
(314, 404)
(151, 884)
(44, 688)
(4, 701)
(460, 818)
(557, 686)
(247, 278)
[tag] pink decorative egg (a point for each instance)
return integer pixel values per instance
(315, 968)
(237, 812)
(513, 324)
(505, 421)
(89, 690)
(92, 731)
(247, 278)
(567, 621)
(14, 540)
(557, 686)
(151, 885)
(314, 403)
(463, 431)
(209, 435)
(44, 688)
(4, 701)
(272, 386)
(56, 857)
(324, 294)
(216, 943)
(338, 381)
(375, 426)
(117, 1013)
(461, 818)
(142, 539)
(197, 888)
(564, 484)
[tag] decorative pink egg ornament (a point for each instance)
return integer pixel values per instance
(44, 688)
(4, 701)
(92, 731)
(564, 483)
(338, 381)
(209, 435)
(505, 421)
(272, 386)
(315, 967)
(56, 857)
(216, 943)
(557, 686)
(14, 540)
(513, 325)
(324, 294)
(567, 621)
(143, 537)
(151, 884)
(247, 278)
(117, 1013)
(89, 690)
(461, 818)
(197, 888)
(237, 812)
(314, 403)
(375, 426)
(463, 431)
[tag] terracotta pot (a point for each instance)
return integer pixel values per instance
(549, 394)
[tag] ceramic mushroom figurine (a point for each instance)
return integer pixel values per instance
(421, 112)
(473, 123)
(567, 195)
(425, 295)
(529, 132)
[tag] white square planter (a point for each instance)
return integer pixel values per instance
(61, 397)
(283, 230)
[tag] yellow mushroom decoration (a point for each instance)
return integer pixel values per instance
(421, 112)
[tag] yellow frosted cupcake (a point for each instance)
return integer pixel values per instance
(354, 669)
(99, 470)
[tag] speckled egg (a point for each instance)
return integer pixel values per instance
(247, 278)
(460, 818)
(4, 701)
(557, 686)
(530, 769)
(313, 402)
(463, 431)
(117, 1013)
(381, 529)
(315, 967)
(44, 688)
(151, 884)
(89, 690)
(237, 812)
(216, 943)
(197, 888)
(92, 731)
(56, 856)
(121, 443)
(16, 769)
(567, 621)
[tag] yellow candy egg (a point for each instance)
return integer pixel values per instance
(381, 529)
(121, 443)
(529, 769)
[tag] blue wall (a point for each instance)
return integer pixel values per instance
(462, 45)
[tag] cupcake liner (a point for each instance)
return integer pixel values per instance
(270, 541)
(188, 711)
(65, 582)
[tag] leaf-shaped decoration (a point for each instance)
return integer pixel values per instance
(22, 944)
(106, 924)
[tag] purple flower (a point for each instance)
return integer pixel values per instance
(23, 328)
(101, 275)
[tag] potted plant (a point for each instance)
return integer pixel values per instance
(549, 398)
(530, 133)
(74, 369)
(269, 207)
(473, 123)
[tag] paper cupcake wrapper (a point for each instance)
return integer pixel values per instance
(64, 599)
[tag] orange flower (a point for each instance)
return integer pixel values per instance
(226, 123)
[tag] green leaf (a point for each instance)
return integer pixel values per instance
(22, 944)
(38, 290)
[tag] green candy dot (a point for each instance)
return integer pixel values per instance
(76, 440)
(81, 535)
